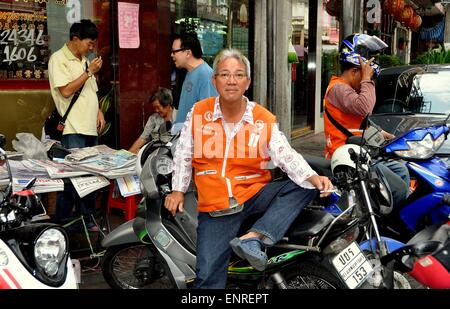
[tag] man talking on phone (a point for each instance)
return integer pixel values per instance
(70, 71)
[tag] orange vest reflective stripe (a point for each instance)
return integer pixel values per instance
(334, 137)
(236, 170)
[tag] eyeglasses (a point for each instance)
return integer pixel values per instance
(226, 76)
(174, 51)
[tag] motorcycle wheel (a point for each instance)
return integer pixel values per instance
(133, 266)
(311, 276)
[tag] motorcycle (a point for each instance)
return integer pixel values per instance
(157, 249)
(428, 202)
(33, 254)
(426, 257)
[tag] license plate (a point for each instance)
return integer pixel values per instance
(352, 265)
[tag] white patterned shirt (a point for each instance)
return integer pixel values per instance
(280, 151)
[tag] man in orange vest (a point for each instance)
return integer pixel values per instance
(351, 96)
(229, 141)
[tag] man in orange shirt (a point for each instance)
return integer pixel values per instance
(350, 97)
(229, 140)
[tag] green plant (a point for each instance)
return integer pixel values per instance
(435, 56)
(330, 62)
(105, 104)
(188, 25)
(387, 61)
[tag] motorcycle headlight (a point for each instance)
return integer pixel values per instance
(49, 251)
(164, 165)
(422, 149)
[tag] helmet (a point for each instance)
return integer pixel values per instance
(361, 45)
(341, 158)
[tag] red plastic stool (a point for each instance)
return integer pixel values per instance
(127, 204)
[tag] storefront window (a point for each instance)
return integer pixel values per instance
(30, 30)
(24, 49)
(330, 50)
(218, 24)
(300, 26)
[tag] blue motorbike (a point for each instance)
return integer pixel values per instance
(429, 200)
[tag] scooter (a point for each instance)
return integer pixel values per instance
(33, 254)
(429, 200)
(318, 251)
(426, 257)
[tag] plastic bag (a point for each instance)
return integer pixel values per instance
(30, 146)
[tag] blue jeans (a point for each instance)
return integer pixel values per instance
(69, 197)
(279, 201)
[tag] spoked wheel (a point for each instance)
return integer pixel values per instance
(133, 266)
(311, 276)
(401, 280)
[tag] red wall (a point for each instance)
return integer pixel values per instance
(141, 71)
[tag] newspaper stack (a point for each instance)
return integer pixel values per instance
(81, 154)
(108, 162)
(24, 170)
(42, 185)
(54, 169)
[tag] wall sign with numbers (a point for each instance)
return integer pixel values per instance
(24, 49)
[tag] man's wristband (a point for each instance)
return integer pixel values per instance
(89, 74)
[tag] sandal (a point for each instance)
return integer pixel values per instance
(250, 250)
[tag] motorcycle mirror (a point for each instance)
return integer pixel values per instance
(2, 141)
(446, 119)
(355, 140)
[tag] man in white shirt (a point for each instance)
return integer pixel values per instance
(69, 71)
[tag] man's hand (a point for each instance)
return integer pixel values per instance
(321, 183)
(100, 121)
(95, 65)
(174, 201)
(366, 70)
(387, 136)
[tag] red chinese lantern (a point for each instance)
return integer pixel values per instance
(333, 7)
(415, 23)
(406, 14)
(394, 6)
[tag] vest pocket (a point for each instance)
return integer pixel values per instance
(207, 172)
(247, 177)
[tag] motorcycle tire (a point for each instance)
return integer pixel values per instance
(307, 275)
(134, 266)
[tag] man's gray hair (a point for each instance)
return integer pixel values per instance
(231, 53)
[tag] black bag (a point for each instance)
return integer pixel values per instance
(54, 124)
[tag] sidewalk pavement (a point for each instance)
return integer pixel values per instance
(311, 144)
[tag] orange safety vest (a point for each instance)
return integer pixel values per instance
(351, 122)
(236, 170)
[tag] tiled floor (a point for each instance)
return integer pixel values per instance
(91, 274)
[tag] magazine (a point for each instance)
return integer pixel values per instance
(129, 185)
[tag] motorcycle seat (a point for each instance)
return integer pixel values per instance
(308, 223)
(320, 165)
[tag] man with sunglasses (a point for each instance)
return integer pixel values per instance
(187, 54)
(229, 140)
